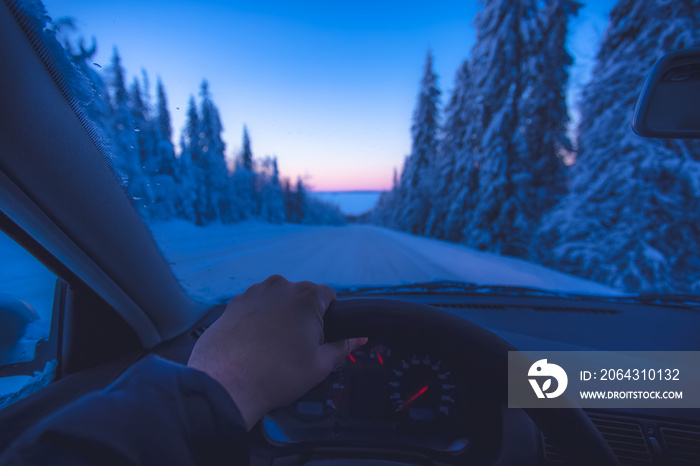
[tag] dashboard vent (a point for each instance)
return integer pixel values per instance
(551, 454)
(626, 439)
(488, 307)
(574, 309)
(682, 445)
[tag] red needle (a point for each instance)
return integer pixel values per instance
(413, 398)
(352, 358)
(379, 356)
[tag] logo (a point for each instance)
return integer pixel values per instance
(542, 369)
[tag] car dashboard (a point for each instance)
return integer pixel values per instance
(397, 394)
(409, 399)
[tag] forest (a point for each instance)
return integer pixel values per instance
(500, 170)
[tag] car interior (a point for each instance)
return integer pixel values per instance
(116, 300)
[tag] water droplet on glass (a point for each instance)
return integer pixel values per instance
(97, 65)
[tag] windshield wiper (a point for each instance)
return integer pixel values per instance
(454, 287)
(686, 300)
(446, 286)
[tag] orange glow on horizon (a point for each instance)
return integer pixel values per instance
(347, 180)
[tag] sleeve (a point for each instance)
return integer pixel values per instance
(157, 413)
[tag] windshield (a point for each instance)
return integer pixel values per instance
(380, 144)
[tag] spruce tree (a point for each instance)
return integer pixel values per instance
(272, 197)
(632, 218)
(452, 191)
(244, 181)
(246, 152)
(413, 194)
(125, 144)
(214, 203)
(163, 126)
(544, 114)
(193, 191)
(499, 62)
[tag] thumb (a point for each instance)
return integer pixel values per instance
(332, 354)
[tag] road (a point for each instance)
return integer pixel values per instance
(218, 261)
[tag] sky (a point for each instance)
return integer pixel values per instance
(327, 87)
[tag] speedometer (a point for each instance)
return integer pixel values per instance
(421, 389)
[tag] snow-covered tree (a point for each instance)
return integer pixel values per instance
(215, 202)
(506, 30)
(244, 184)
(271, 196)
(163, 126)
(246, 151)
(543, 112)
(124, 137)
(189, 174)
(453, 189)
(412, 198)
(632, 219)
(299, 201)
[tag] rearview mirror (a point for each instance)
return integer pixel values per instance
(669, 106)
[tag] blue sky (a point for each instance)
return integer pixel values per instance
(328, 87)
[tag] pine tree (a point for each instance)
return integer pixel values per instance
(505, 31)
(272, 197)
(125, 144)
(244, 181)
(413, 195)
(632, 218)
(214, 202)
(162, 112)
(166, 150)
(144, 136)
(288, 197)
(246, 152)
(189, 170)
(453, 187)
(543, 112)
(119, 95)
(299, 202)
(160, 163)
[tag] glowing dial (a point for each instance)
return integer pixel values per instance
(421, 389)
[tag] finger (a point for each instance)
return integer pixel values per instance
(332, 354)
(326, 296)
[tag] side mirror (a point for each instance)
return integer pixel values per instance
(15, 315)
(669, 106)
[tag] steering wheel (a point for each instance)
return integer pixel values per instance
(577, 438)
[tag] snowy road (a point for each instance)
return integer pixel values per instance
(216, 262)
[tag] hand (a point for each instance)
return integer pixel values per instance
(267, 348)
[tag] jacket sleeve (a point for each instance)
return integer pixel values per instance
(157, 412)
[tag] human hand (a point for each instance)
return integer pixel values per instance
(267, 348)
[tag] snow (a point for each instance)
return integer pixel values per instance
(218, 261)
(350, 202)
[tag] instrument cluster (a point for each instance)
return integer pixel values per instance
(387, 394)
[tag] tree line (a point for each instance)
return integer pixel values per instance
(497, 170)
(194, 183)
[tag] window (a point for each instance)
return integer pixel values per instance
(26, 305)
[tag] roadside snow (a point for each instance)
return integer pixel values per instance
(218, 261)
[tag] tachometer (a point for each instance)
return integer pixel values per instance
(421, 389)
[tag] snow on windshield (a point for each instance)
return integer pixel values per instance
(505, 177)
